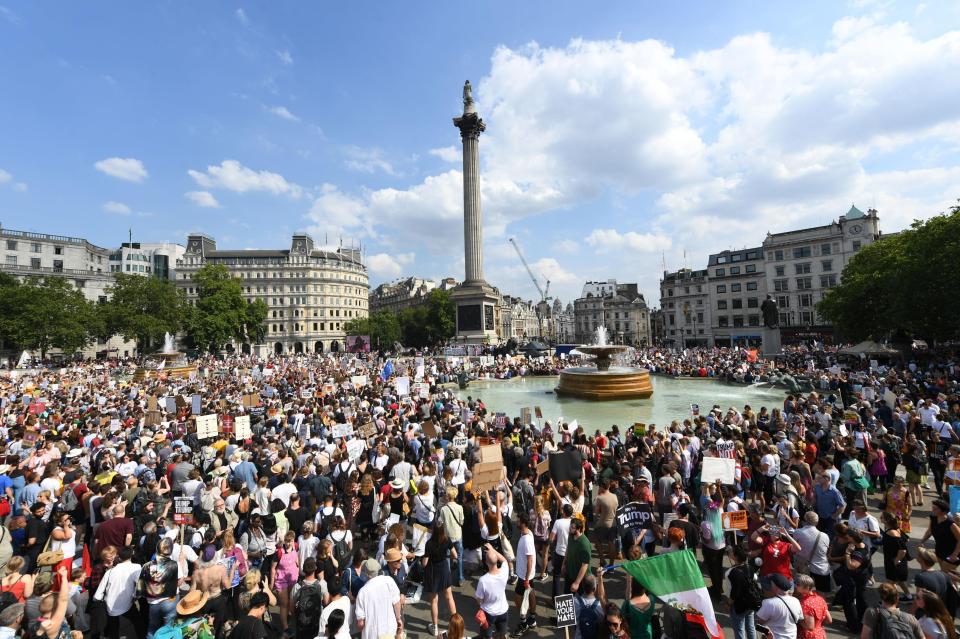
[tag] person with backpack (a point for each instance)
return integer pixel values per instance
(342, 540)
(588, 609)
(780, 611)
(307, 601)
(745, 595)
(887, 621)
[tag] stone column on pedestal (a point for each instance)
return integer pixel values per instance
(471, 126)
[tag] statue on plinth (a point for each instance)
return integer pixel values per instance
(771, 313)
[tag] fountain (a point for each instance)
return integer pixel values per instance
(172, 363)
(606, 381)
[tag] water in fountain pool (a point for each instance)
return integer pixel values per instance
(671, 400)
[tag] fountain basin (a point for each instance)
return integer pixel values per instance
(616, 382)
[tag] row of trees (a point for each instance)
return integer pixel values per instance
(904, 284)
(427, 324)
(41, 314)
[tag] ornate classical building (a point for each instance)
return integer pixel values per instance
(310, 293)
(621, 308)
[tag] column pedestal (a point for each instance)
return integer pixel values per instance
(476, 313)
(771, 342)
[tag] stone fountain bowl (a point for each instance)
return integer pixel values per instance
(602, 351)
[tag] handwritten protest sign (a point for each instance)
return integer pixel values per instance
(734, 520)
(241, 427)
(460, 443)
(355, 448)
(207, 426)
(342, 430)
(715, 468)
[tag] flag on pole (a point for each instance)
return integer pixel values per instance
(387, 370)
(676, 580)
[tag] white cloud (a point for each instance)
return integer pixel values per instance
(203, 199)
(241, 15)
(233, 176)
(118, 208)
(20, 186)
(283, 112)
(388, 266)
(446, 153)
(367, 160)
(129, 169)
(285, 57)
(604, 240)
(570, 247)
(5, 176)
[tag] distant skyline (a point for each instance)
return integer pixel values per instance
(620, 137)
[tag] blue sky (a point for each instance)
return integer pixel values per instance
(621, 135)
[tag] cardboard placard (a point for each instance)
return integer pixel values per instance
(429, 429)
(152, 418)
(460, 443)
(486, 475)
(31, 435)
(492, 453)
(183, 510)
(367, 430)
(639, 429)
(538, 412)
(543, 467)
(734, 520)
(715, 468)
(566, 466)
(241, 427)
(152, 403)
(342, 430)
(566, 613)
(525, 418)
(355, 448)
(207, 427)
(250, 400)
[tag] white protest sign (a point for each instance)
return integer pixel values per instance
(241, 427)
(460, 442)
(207, 426)
(342, 430)
(726, 449)
(402, 385)
(355, 448)
(715, 468)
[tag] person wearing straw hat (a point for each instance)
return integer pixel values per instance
(189, 620)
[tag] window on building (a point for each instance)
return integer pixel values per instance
(738, 321)
(670, 293)
(753, 302)
(737, 303)
(826, 265)
(825, 249)
(802, 268)
(700, 317)
(828, 281)
(11, 245)
(750, 268)
(722, 259)
(805, 300)
(778, 256)
(58, 266)
(36, 247)
(721, 304)
(783, 301)
(734, 270)
(735, 288)
(781, 285)
(806, 317)
(723, 321)
(12, 260)
(753, 320)
(856, 245)
(785, 319)
(780, 271)
(686, 290)
(673, 319)
(34, 262)
(804, 283)
(79, 283)
(736, 257)
(800, 252)
(721, 288)
(720, 272)
(751, 286)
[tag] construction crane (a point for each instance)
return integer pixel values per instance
(544, 298)
(543, 292)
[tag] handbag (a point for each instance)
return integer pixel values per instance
(49, 557)
(482, 620)
(4, 507)
(507, 547)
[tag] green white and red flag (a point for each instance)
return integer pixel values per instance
(675, 579)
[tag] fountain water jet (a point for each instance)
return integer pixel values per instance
(605, 381)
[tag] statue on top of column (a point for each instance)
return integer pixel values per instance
(468, 98)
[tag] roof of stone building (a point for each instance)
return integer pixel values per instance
(854, 213)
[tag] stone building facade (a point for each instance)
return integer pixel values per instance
(310, 293)
(685, 302)
(621, 308)
(737, 288)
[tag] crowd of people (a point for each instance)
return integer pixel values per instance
(356, 497)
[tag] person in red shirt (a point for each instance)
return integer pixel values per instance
(777, 549)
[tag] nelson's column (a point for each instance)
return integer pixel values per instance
(475, 299)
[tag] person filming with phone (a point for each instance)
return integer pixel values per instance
(777, 549)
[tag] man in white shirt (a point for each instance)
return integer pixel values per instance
(526, 568)
(928, 410)
(779, 611)
(117, 590)
(560, 534)
(866, 523)
(378, 611)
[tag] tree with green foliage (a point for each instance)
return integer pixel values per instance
(142, 309)
(46, 313)
(904, 282)
(431, 323)
(220, 313)
(383, 327)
